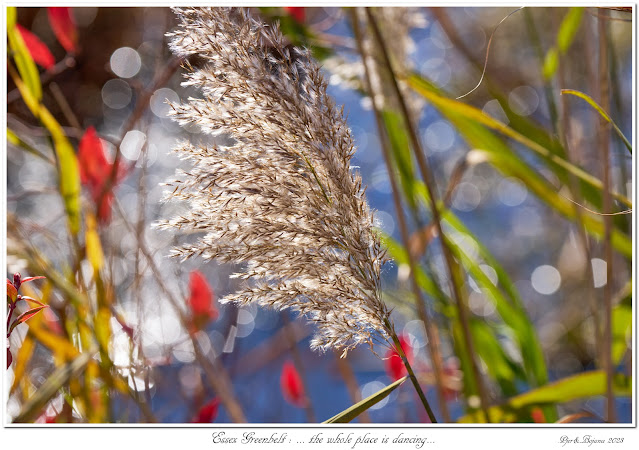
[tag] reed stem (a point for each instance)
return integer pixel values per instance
(411, 374)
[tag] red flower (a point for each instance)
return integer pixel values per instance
(201, 300)
(394, 365)
(292, 386)
(38, 50)
(63, 25)
(296, 12)
(208, 412)
(95, 171)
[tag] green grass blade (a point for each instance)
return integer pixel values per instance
(513, 316)
(14, 139)
(401, 153)
(68, 167)
(566, 35)
(496, 152)
(26, 67)
(601, 112)
(459, 110)
(349, 414)
(568, 29)
(583, 385)
(499, 366)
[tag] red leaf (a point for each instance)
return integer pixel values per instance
(94, 167)
(63, 25)
(32, 300)
(26, 316)
(296, 12)
(26, 280)
(208, 412)
(38, 49)
(394, 365)
(538, 415)
(12, 292)
(201, 300)
(95, 171)
(292, 386)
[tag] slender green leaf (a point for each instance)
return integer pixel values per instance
(498, 364)
(514, 317)
(349, 414)
(568, 29)
(565, 36)
(551, 63)
(583, 385)
(494, 150)
(26, 67)
(401, 153)
(601, 112)
(461, 110)
(68, 168)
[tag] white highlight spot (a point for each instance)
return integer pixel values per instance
(159, 99)
(545, 279)
(132, 144)
(125, 62)
(599, 272)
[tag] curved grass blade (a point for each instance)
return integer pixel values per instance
(501, 156)
(68, 169)
(601, 112)
(583, 385)
(349, 414)
(24, 62)
(471, 114)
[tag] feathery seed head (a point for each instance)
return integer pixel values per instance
(280, 199)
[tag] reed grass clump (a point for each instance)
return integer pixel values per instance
(281, 200)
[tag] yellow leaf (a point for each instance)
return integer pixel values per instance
(94, 248)
(21, 360)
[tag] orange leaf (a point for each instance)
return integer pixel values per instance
(292, 386)
(208, 412)
(38, 49)
(201, 300)
(63, 25)
(12, 292)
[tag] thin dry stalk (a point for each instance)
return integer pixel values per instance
(430, 187)
(604, 152)
(584, 240)
(430, 329)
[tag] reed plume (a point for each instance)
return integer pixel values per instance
(281, 199)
